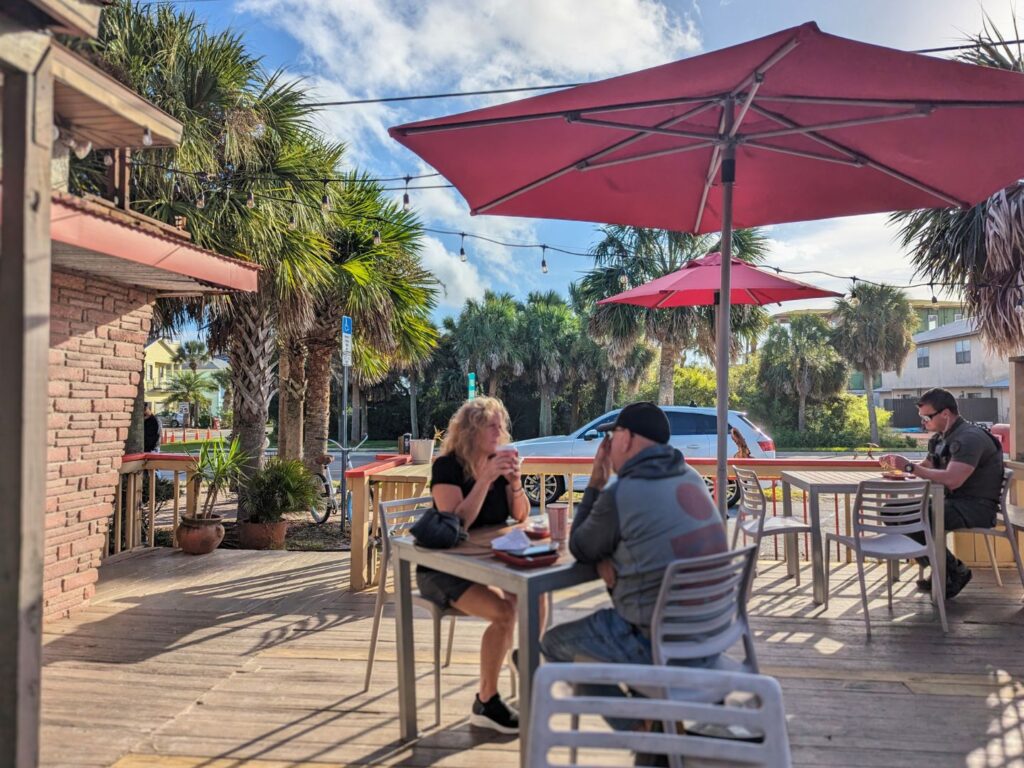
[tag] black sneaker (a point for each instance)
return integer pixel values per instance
(924, 585)
(956, 582)
(495, 715)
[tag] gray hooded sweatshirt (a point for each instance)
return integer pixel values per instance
(655, 510)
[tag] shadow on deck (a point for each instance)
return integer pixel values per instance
(257, 658)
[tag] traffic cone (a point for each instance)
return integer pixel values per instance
(172, 438)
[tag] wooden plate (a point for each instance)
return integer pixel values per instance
(896, 476)
(535, 561)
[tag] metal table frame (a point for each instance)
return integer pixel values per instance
(527, 584)
(817, 482)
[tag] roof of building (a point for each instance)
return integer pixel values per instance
(956, 329)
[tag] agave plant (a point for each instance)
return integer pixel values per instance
(219, 467)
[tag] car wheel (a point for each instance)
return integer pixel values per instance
(554, 487)
(734, 490)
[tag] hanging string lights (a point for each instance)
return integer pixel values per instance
(543, 259)
(462, 247)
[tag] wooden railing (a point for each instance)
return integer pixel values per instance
(391, 477)
(126, 531)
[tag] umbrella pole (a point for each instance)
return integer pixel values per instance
(724, 307)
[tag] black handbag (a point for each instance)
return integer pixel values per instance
(438, 530)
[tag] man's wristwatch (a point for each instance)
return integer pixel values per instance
(909, 468)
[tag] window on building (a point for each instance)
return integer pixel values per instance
(963, 351)
(923, 359)
(933, 322)
(149, 374)
(958, 316)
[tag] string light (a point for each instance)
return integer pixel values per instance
(201, 200)
(543, 259)
(250, 200)
(623, 279)
(931, 287)
(147, 137)
(108, 159)
(853, 288)
(177, 190)
(405, 197)
(462, 247)
(377, 240)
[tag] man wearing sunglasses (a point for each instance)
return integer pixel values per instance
(968, 462)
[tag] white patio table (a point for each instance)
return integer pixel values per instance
(473, 560)
(817, 482)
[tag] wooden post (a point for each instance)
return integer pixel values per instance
(24, 347)
(359, 535)
(1016, 408)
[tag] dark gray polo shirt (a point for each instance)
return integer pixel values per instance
(970, 444)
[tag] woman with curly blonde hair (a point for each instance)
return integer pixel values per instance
(482, 485)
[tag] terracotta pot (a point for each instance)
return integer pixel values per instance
(262, 535)
(200, 535)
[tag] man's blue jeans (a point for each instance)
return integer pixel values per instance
(606, 637)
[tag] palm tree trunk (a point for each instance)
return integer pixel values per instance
(492, 384)
(318, 397)
(869, 390)
(291, 400)
(252, 368)
(413, 414)
(609, 394)
(666, 372)
(545, 410)
(801, 413)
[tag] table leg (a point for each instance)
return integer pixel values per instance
(791, 549)
(939, 532)
(406, 649)
(817, 561)
(529, 660)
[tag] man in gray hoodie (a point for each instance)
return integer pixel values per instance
(655, 510)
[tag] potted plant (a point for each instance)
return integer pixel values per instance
(281, 486)
(218, 467)
(422, 451)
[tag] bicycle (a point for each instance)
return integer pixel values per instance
(331, 499)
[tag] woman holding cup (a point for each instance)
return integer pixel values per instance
(477, 477)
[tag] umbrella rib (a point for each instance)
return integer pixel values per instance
(837, 124)
(588, 166)
(585, 162)
(839, 101)
(642, 128)
(754, 79)
(836, 146)
(801, 153)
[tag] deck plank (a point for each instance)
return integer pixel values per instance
(257, 659)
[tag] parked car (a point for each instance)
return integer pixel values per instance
(694, 432)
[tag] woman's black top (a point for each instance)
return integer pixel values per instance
(448, 470)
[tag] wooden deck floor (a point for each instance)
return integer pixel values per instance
(257, 659)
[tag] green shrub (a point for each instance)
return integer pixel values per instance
(282, 485)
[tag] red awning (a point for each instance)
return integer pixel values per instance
(133, 249)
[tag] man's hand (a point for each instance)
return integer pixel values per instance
(602, 464)
(893, 461)
(606, 570)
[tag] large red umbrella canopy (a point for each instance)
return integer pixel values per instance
(699, 284)
(822, 126)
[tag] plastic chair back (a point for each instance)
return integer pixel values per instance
(761, 714)
(891, 508)
(702, 608)
(396, 518)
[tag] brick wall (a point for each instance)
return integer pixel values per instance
(98, 330)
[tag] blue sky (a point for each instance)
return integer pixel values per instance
(351, 49)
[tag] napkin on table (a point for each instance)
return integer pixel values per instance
(511, 541)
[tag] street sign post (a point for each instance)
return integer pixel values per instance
(472, 386)
(346, 363)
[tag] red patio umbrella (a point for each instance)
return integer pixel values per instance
(699, 284)
(812, 126)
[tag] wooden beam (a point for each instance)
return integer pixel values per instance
(76, 17)
(21, 48)
(24, 349)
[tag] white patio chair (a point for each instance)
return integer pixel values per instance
(702, 610)
(884, 513)
(753, 518)
(760, 713)
(1004, 529)
(396, 518)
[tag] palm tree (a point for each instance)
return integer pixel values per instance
(874, 332)
(549, 328)
(485, 338)
(192, 388)
(631, 256)
(978, 250)
(240, 174)
(192, 354)
(801, 361)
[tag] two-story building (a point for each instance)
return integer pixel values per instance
(162, 365)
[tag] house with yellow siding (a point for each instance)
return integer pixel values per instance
(160, 369)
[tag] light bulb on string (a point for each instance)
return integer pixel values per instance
(177, 190)
(81, 148)
(292, 221)
(405, 197)
(935, 300)
(325, 201)
(147, 137)
(462, 247)
(377, 240)
(623, 279)
(853, 288)
(250, 200)
(201, 200)
(108, 159)
(543, 259)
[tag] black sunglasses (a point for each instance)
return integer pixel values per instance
(926, 417)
